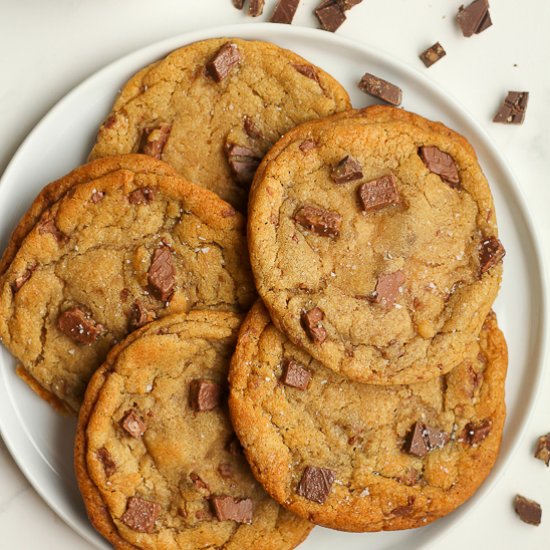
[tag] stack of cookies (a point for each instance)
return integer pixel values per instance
(363, 390)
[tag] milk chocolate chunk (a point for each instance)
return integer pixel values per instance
(238, 4)
(198, 482)
(404, 509)
(229, 508)
(491, 253)
(48, 227)
(243, 162)
(475, 433)
(320, 221)
(432, 54)
(141, 514)
(512, 110)
(109, 465)
(284, 11)
(153, 140)
(295, 375)
(346, 5)
(307, 145)
(20, 280)
(140, 315)
(251, 129)
(543, 449)
(223, 62)
(311, 322)
(316, 483)
(307, 70)
(79, 326)
(380, 88)
(528, 510)
(474, 18)
(422, 439)
(204, 395)
(133, 424)
(388, 288)
(97, 196)
(143, 195)
(162, 273)
(256, 7)
(379, 193)
(348, 169)
(440, 163)
(330, 15)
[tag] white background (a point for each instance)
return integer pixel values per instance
(49, 46)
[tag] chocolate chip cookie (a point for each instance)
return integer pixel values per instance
(156, 458)
(212, 109)
(361, 457)
(373, 242)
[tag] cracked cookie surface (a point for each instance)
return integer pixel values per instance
(360, 457)
(213, 108)
(158, 464)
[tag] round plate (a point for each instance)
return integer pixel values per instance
(41, 441)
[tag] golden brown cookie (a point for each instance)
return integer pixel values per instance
(213, 108)
(361, 457)
(373, 242)
(156, 458)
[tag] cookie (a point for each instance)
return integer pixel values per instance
(362, 457)
(113, 254)
(156, 458)
(373, 243)
(213, 108)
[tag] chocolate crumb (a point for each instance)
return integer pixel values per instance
(440, 163)
(380, 88)
(320, 221)
(432, 54)
(475, 433)
(543, 449)
(204, 395)
(223, 62)
(284, 11)
(256, 7)
(79, 326)
(512, 110)
(491, 252)
(311, 323)
(528, 510)
(133, 424)
(379, 193)
(229, 508)
(330, 15)
(348, 169)
(141, 514)
(153, 140)
(143, 195)
(295, 375)
(316, 483)
(162, 273)
(474, 18)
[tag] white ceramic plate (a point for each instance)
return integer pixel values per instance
(41, 441)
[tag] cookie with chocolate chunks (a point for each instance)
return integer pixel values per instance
(193, 109)
(154, 244)
(361, 457)
(155, 473)
(384, 221)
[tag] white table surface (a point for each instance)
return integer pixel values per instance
(49, 46)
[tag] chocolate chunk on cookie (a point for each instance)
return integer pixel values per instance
(230, 508)
(318, 220)
(440, 163)
(284, 11)
(295, 375)
(348, 169)
(153, 140)
(141, 515)
(79, 326)
(379, 193)
(315, 484)
(204, 395)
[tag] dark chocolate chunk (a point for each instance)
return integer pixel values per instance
(307, 145)
(20, 280)
(143, 195)
(388, 288)
(243, 162)
(330, 15)
(320, 221)
(311, 322)
(79, 326)
(474, 18)
(223, 62)
(295, 375)
(528, 511)
(109, 465)
(307, 70)
(475, 433)
(422, 439)
(238, 4)
(162, 273)
(48, 227)
(380, 88)
(379, 193)
(543, 449)
(284, 11)
(440, 163)
(153, 140)
(432, 54)
(204, 395)
(491, 253)
(251, 129)
(348, 169)
(140, 315)
(97, 196)
(225, 470)
(316, 483)
(256, 7)
(512, 110)
(133, 424)
(198, 482)
(141, 514)
(226, 507)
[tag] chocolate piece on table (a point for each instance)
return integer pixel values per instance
(162, 273)
(109, 465)
(311, 322)
(475, 433)
(320, 221)
(440, 163)
(154, 139)
(143, 195)
(223, 62)
(422, 439)
(238, 4)
(243, 162)
(432, 54)
(474, 18)
(528, 510)
(256, 7)
(491, 253)
(284, 11)
(307, 70)
(79, 326)
(388, 288)
(295, 375)
(330, 15)
(380, 88)
(379, 193)
(141, 514)
(542, 451)
(348, 169)
(133, 424)
(512, 110)
(316, 483)
(226, 507)
(204, 395)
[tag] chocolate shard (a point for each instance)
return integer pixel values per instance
(142, 195)
(79, 326)
(140, 315)
(204, 395)
(311, 323)
(141, 515)
(380, 88)
(256, 7)
(379, 193)
(388, 288)
(48, 227)
(133, 424)
(21, 279)
(284, 11)
(320, 221)
(472, 19)
(97, 196)
(307, 70)
(348, 169)
(243, 162)
(542, 451)
(422, 439)
(316, 483)
(307, 145)
(346, 5)
(162, 273)
(238, 4)
(440, 163)
(528, 510)
(512, 110)
(295, 375)
(432, 54)
(109, 465)
(227, 57)
(198, 482)
(491, 252)
(330, 15)
(251, 129)
(153, 140)
(229, 508)
(475, 433)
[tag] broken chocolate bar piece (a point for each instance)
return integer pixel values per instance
(133, 424)
(388, 288)
(311, 322)
(432, 54)
(474, 18)
(204, 395)
(348, 169)
(512, 110)
(330, 15)
(320, 221)
(491, 253)
(316, 483)
(440, 163)
(162, 273)
(141, 514)
(284, 11)
(422, 439)
(475, 433)
(256, 7)
(380, 88)
(242, 161)
(295, 375)
(528, 510)
(79, 326)
(223, 62)
(543, 449)
(229, 508)
(153, 140)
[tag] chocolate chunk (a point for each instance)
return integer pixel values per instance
(307, 145)
(330, 15)
(320, 221)
(251, 129)
(203, 515)
(223, 62)
(79, 326)
(307, 70)
(422, 439)
(380, 88)
(387, 288)
(238, 4)
(109, 465)
(316, 483)
(198, 482)
(440, 163)
(225, 470)
(20, 280)
(491, 253)
(474, 18)
(140, 315)
(97, 196)
(143, 195)
(256, 7)
(346, 5)
(348, 169)
(204, 395)
(432, 54)
(311, 322)
(161, 274)
(243, 162)
(476, 433)
(543, 449)
(512, 110)
(405, 509)
(284, 11)
(226, 507)
(141, 514)
(528, 511)
(295, 375)
(48, 227)
(435, 438)
(153, 140)
(379, 193)
(133, 424)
